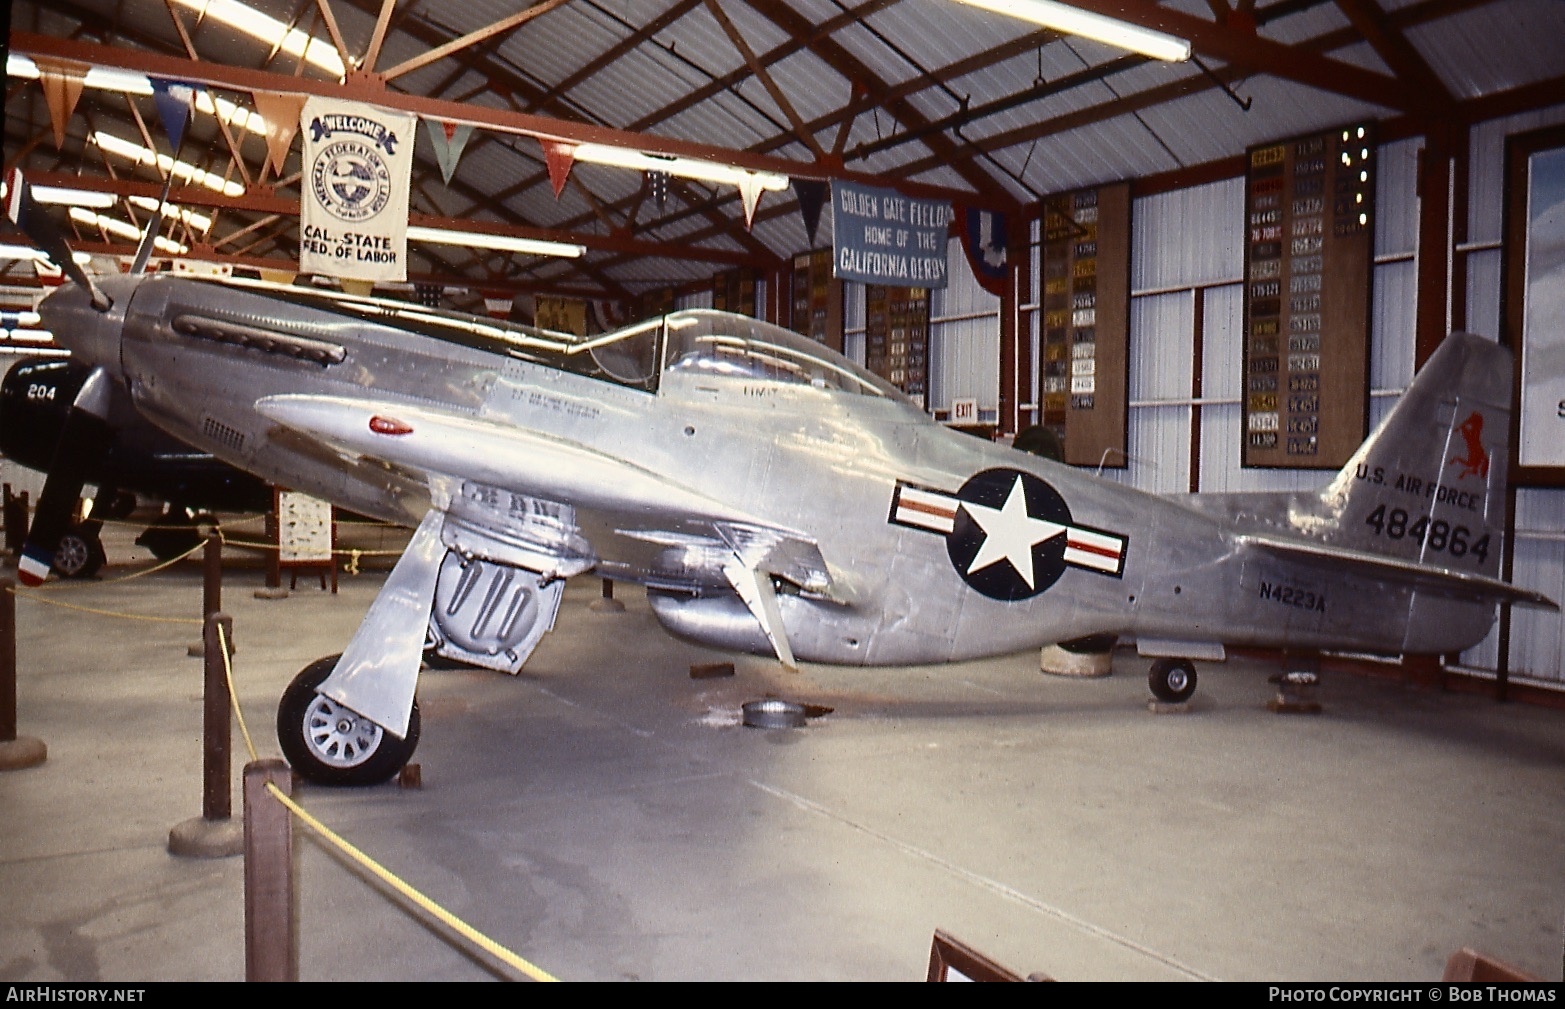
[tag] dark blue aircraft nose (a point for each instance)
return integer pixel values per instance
(92, 336)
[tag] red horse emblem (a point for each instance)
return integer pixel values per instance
(1476, 461)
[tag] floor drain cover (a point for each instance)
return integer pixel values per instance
(774, 714)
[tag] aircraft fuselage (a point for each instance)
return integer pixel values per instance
(940, 546)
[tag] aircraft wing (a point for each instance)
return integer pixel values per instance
(720, 542)
(1421, 576)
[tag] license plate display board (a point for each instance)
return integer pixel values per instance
(896, 337)
(817, 298)
(1086, 313)
(734, 291)
(1309, 260)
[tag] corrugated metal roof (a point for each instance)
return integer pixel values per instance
(902, 64)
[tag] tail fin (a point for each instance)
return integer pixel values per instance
(1428, 486)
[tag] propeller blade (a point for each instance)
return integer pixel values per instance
(144, 251)
(83, 442)
(27, 215)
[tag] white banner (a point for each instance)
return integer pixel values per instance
(358, 160)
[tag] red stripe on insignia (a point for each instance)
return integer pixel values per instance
(1088, 548)
(918, 506)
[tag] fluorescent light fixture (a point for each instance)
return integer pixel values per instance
(20, 67)
(1075, 21)
(9, 251)
(191, 219)
(32, 335)
(73, 197)
(234, 115)
(269, 30)
(502, 243)
(115, 79)
(123, 230)
(685, 168)
(131, 82)
(187, 172)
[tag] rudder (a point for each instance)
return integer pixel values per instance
(1429, 484)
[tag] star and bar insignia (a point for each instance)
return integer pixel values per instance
(1009, 534)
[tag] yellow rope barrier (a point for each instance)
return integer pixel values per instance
(41, 598)
(339, 551)
(450, 920)
(63, 584)
(155, 568)
(233, 696)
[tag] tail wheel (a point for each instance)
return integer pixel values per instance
(1172, 680)
(332, 745)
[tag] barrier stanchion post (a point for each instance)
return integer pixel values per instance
(212, 575)
(216, 723)
(15, 753)
(271, 934)
(213, 834)
(211, 585)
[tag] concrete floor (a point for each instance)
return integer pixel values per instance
(607, 817)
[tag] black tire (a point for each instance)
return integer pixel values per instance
(1039, 440)
(328, 744)
(1172, 680)
(80, 552)
(176, 534)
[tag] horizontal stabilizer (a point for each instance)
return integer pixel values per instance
(1424, 577)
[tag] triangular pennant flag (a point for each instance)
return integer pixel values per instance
(812, 197)
(281, 113)
(498, 304)
(750, 193)
(448, 139)
(558, 158)
(658, 181)
(60, 92)
(174, 100)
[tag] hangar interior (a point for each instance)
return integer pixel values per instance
(629, 827)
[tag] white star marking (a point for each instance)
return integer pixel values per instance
(1010, 533)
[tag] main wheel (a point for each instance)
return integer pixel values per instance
(330, 745)
(80, 553)
(1172, 680)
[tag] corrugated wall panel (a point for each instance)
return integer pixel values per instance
(1538, 636)
(1161, 349)
(1396, 212)
(964, 352)
(1483, 293)
(1188, 237)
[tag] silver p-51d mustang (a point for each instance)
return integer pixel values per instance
(772, 496)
